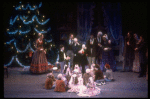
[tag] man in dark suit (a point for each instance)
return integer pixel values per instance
(91, 50)
(76, 47)
(128, 52)
(99, 48)
(83, 58)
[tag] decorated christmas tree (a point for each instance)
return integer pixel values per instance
(25, 25)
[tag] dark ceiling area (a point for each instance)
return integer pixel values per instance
(134, 14)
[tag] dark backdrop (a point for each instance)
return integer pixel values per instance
(134, 14)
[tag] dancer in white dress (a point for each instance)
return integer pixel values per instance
(90, 90)
(77, 68)
(67, 74)
(76, 81)
(67, 70)
(76, 84)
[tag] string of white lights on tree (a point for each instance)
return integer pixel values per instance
(25, 19)
(27, 47)
(25, 32)
(10, 61)
(15, 57)
(20, 31)
(28, 6)
(9, 41)
(42, 30)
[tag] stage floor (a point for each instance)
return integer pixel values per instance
(23, 84)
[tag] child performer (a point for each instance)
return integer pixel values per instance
(109, 73)
(62, 57)
(49, 80)
(60, 84)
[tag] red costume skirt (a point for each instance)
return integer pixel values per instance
(39, 62)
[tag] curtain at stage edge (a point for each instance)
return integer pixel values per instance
(113, 24)
(84, 20)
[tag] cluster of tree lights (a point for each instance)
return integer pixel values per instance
(24, 20)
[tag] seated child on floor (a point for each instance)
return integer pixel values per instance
(99, 77)
(86, 77)
(49, 80)
(109, 73)
(60, 84)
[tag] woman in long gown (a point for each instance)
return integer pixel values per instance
(107, 54)
(136, 62)
(39, 62)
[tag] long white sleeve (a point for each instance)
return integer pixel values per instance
(65, 56)
(57, 60)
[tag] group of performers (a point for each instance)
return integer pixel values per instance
(74, 81)
(135, 54)
(71, 58)
(75, 53)
(96, 50)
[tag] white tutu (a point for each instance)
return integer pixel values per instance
(80, 89)
(76, 87)
(90, 90)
